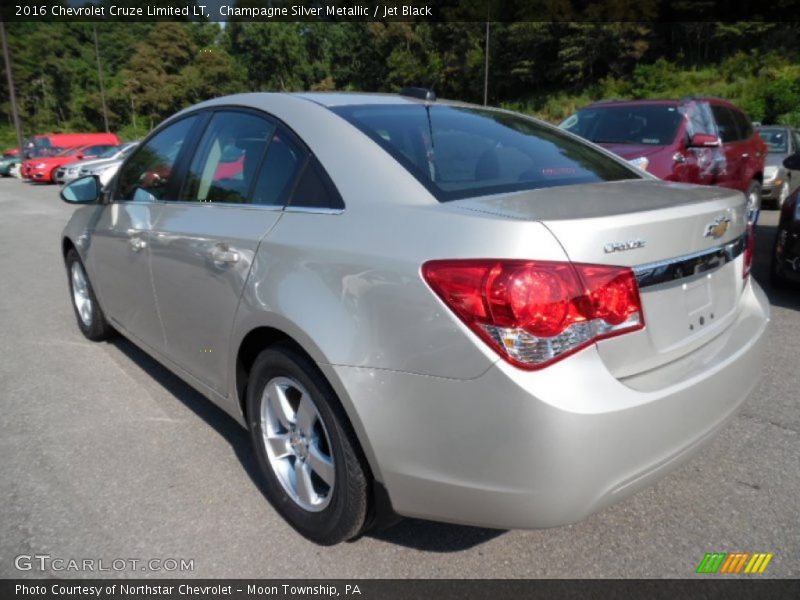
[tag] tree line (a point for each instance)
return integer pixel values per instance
(151, 70)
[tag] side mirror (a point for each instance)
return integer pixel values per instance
(703, 140)
(792, 162)
(85, 190)
(80, 156)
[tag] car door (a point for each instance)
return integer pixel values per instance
(203, 244)
(751, 149)
(120, 250)
(731, 175)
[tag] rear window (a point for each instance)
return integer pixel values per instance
(462, 152)
(654, 125)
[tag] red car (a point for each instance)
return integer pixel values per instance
(43, 168)
(696, 140)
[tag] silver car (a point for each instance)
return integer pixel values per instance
(424, 308)
(104, 165)
(779, 182)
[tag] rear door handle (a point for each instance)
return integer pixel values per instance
(220, 253)
(745, 155)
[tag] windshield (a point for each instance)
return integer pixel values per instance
(777, 140)
(461, 152)
(67, 152)
(110, 152)
(653, 125)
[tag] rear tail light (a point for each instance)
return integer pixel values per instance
(749, 249)
(533, 313)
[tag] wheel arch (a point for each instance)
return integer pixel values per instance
(67, 245)
(261, 337)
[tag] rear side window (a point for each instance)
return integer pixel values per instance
(283, 162)
(315, 190)
(458, 152)
(726, 125)
(743, 125)
(227, 158)
(148, 172)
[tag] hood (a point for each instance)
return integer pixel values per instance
(106, 162)
(775, 159)
(92, 162)
(629, 151)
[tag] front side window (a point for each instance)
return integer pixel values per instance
(149, 171)
(227, 158)
(461, 152)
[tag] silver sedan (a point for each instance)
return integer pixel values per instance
(424, 308)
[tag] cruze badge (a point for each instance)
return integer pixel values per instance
(717, 227)
(623, 246)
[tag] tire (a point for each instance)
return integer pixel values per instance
(754, 200)
(91, 320)
(290, 403)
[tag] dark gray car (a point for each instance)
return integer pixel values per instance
(779, 181)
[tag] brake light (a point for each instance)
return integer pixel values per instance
(749, 250)
(534, 313)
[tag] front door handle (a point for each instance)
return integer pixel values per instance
(745, 155)
(220, 253)
(136, 243)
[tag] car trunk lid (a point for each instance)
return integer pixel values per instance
(685, 244)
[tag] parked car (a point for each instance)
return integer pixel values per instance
(696, 140)
(7, 163)
(42, 144)
(10, 152)
(468, 315)
(785, 265)
(44, 169)
(115, 154)
(779, 181)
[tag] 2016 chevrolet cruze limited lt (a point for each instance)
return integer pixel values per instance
(424, 308)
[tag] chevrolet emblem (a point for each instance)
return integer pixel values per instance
(717, 227)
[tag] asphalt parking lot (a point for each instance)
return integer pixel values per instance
(106, 455)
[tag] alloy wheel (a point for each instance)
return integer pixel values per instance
(297, 444)
(80, 294)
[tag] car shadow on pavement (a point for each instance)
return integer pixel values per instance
(217, 418)
(431, 536)
(785, 298)
(413, 533)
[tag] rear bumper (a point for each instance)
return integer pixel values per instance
(516, 449)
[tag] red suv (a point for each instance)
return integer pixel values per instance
(696, 140)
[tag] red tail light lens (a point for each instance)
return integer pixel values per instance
(749, 250)
(534, 313)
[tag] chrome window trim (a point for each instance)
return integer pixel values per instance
(689, 264)
(319, 210)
